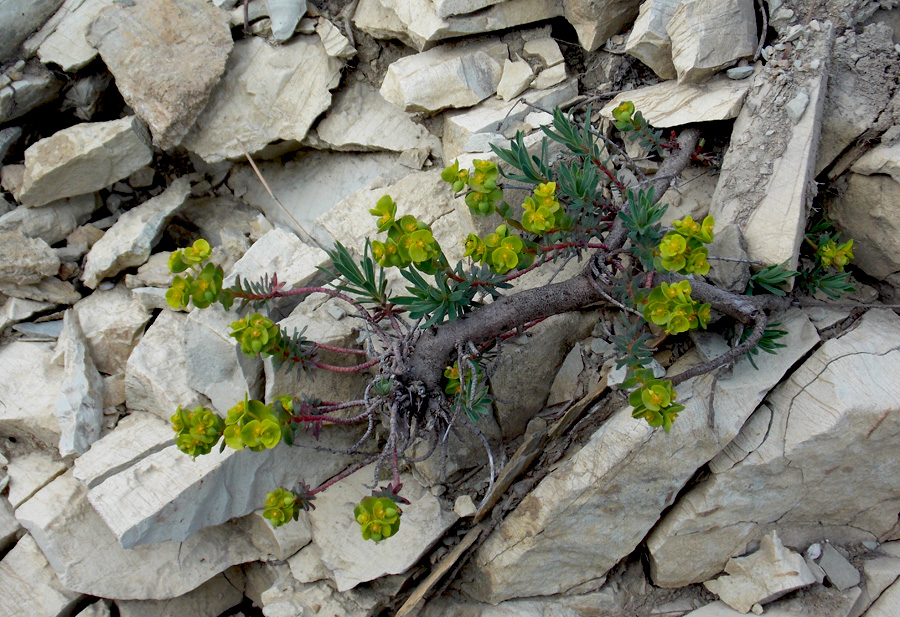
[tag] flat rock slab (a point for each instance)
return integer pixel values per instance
(113, 321)
(166, 56)
(19, 18)
(128, 242)
(823, 470)
(267, 94)
(709, 35)
(446, 76)
(649, 42)
(25, 260)
(212, 598)
(587, 515)
(84, 158)
(88, 558)
(353, 560)
(53, 222)
(30, 587)
(67, 46)
(766, 178)
(669, 103)
(597, 20)
(28, 392)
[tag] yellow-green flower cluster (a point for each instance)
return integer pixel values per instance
(280, 507)
(622, 116)
(654, 402)
(409, 240)
(483, 193)
(682, 250)
(541, 209)
(203, 287)
(378, 518)
(252, 424)
(832, 254)
(672, 307)
(500, 250)
(197, 431)
(257, 334)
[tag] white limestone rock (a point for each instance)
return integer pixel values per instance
(550, 77)
(82, 159)
(15, 310)
(88, 558)
(446, 76)
(285, 597)
(496, 116)
(30, 586)
(214, 365)
(97, 609)
(586, 515)
(821, 471)
(113, 321)
(210, 599)
(887, 603)
(35, 87)
(308, 185)
(67, 46)
(353, 560)
(129, 241)
(597, 20)
(766, 177)
(285, 14)
(53, 222)
(28, 392)
(166, 57)
(449, 8)
(361, 119)
(307, 566)
(29, 473)
(24, 260)
(882, 159)
(267, 94)
(545, 48)
(669, 103)
(229, 225)
(9, 526)
(336, 44)
(516, 78)
(79, 404)
(50, 289)
(19, 18)
(866, 211)
(155, 375)
(168, 495)
(709, 35)
(135, 436)
(424, 27)
(380, 22)
(761, 577)
(649, 42)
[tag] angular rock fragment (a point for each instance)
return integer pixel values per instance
(597, 20)
(766, 178)
(285, 597)
(336, 44)
(166, 56)
(50, 289)
(285, 14)
(19, 18)
(30, 473)
(449, 8)
(15, 310)
(353, 560)
(709, 35)
(832, 423)
(169, 496)
(88, 558)
(761, 577)
(839, 571)
(446, 76)
(212, 598)
(53, 222)
(128, 242)
(516, 78)
(135, 436)
(9, 526)
(267, 94)
(24, 261)
(30, 587)
(670, 103)
(79, 404)
(361, 119)
(155, 375)
(28, 392)
(113, 322)
(649, 42)
(35, 87)
(67, 46)
(586, 515)
(83, 159)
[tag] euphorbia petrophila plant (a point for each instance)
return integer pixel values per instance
(425, 352)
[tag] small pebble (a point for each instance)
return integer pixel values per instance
(739, 72)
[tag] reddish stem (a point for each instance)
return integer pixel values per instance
(355, 352)
(609, 174)
(346, 369)
(343, 474)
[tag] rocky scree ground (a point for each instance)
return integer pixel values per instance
(123, 131)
